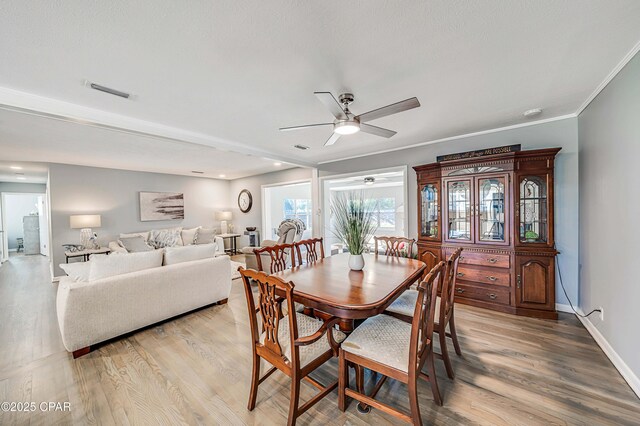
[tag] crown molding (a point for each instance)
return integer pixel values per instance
(28, 103)
(463, 136)
(628, 57)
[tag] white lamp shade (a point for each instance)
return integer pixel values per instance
(224, 215)
(80, 221)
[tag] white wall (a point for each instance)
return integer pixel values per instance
(563, 133)
(17, 206)
(254, 185)
(609, 137)
(114, 195)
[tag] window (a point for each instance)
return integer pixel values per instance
(384, 188)
(296, 208)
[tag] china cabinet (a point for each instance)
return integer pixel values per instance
(499, 208)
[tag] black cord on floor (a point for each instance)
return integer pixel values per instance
(567, 296)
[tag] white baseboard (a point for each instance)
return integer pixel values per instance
(564, 308)
(55, 279)
(621, 366)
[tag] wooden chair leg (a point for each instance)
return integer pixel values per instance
(454, 334)
(413, 401)
(433, 380)
(362, 407)
(255, 381)
(343, 381)
(445, 353)
(295, 398)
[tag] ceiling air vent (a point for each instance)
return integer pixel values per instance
(108, 90)
(302, 147)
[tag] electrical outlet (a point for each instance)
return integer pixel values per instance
(601, 313)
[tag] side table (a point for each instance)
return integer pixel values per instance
(85, 253)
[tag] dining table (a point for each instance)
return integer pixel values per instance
(329, 287)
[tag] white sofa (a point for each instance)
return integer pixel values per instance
(115, 247)
(90, 312)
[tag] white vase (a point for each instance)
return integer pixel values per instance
(356, 262)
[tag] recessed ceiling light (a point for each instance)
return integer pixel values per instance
(198, 172)
(21, 178)
(277, 164)
(222, 176)
(15, 167)
(532, 112)
(369, 180)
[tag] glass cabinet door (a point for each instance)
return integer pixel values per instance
(492, 208)
(459, 210)
(533, 209)
(429, 210)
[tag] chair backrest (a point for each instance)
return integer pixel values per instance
(279, 254)
(395, 246)
(448, 289)
(312, 253)
(424, 318)
(270, 309)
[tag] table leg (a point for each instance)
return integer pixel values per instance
(346, 325)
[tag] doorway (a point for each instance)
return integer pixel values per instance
(286, 201)
(25, 225)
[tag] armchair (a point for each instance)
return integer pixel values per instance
(289, 232)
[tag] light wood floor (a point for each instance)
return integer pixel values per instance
(195, 370)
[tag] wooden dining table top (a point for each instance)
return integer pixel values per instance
(332, 287)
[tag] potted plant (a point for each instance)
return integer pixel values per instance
(354, 224)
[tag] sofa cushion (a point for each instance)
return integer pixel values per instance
(173, 255)
(144, 235)
(205, 236)
(77, 271)
(108, 266)
(189, 235)
(134, 244)
(159, 238)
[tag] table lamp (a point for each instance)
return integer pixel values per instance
(223, 217)
(85, 222)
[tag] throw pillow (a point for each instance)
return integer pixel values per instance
(164, 237)
(108, 266)
(205, 236)
(189, 235)
(173, 255)
(77, 271)
(135, 244)
(144, 235)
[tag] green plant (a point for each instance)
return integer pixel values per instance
(530, 235)
(354, 220)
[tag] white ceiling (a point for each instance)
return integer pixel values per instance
(10, 171)
(228, 74)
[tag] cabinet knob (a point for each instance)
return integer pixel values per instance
(461, 258)
(519, 281)
(459, 290)
(460, 274)
(492, 296)
(492, 278)
(493, 260)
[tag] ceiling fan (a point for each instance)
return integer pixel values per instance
(346, 123)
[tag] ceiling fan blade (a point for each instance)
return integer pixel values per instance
(306, 126)
(378, 131)
(330, 102)
(334, 137)
(389, 109)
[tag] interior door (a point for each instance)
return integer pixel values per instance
(492, 201)
(459, 210)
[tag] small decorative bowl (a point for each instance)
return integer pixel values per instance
(251, 228)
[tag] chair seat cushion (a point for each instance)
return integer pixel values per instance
(306, 327)
(406, 304)
(383, 339)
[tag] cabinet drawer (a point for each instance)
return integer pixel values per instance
(483, 259)
(493, 295)
(486, 276)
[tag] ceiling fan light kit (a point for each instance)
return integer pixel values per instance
(346, 123)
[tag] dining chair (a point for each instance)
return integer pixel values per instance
(402, 308)
(294, 344)
(278, 255)
(393, 348)
(395, 246)
(314, 250)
